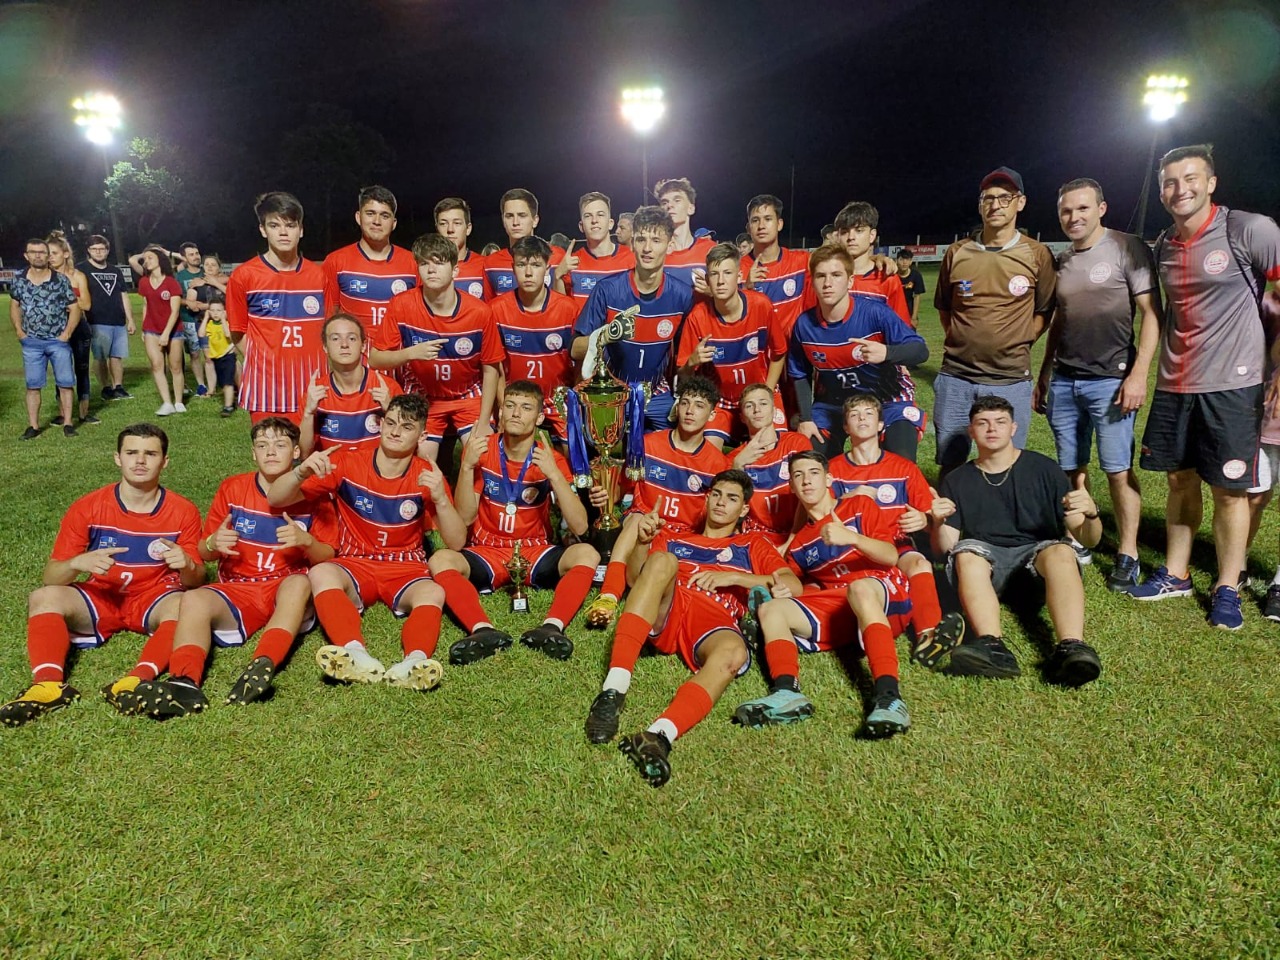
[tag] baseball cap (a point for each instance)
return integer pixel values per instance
(1002, 175)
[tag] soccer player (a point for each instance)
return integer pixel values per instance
(690, 594)
(276, 306)
(912, 281)
(519, 209)
(727, 339)
(1007, 512)
(371, 271)
(343, 407)
(902, 494)
(262, 553)
(138, 544)
(852, 343)
(846, 550)
(44, 312)
(453, 220)
(110, 317)
(663, 301)
(579, 271)
(780, 274)
(508, 502)
(536, 325)
(994, 296)
(764, 458)
(386, 500)
(448, 342)
(687, 257)
(1205, 418)
(857, 225)
(1099, 379)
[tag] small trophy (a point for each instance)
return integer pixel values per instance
(518, 569)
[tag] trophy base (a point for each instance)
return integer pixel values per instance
(603, 541)
(519, 604)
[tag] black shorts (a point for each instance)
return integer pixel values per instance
(1216, 434)
(224, 368)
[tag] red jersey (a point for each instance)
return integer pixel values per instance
(693, 259)
(379, 518)
(500, 274)
(281, 314)
(676, 481)
(260, 556)
(741, 347)
(525, 486)
(887, 288)
(99, 520)
(786, 284)
(469, 278)
(537, 341)
(773, 504)
(366, 285)
(898, 484)
(351, 420)
(592, 269)
(159, 302)
(833, 566)
(473, 341)
(741, 553)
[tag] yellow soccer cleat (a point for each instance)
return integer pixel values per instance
(121, 695)
(600, 613)
(41, 698)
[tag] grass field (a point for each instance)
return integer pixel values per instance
(1136, 817)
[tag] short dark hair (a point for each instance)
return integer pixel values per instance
(188, 245)
(217, 296)
(861, 399)
(277, 202)
(526, 388)
(857, 213)
(652, 218)
(166, 264)
(435, 246)
(531, 248)
(560, 240)
(721, 252)
(1082, 183)
(815, 455)
(37, 242)
(342, 315)
(519, 193)
(764, 200)
(410, 405)
(592, 197)
(905, 253)
(734, 475)
(378, 195)
(827, 231)
(1195, 151)
(698, 386)
(743, 237)
(674, 185)
(144, 430)
(452, 203)
(988, 402)
(831, 251)
(279, 425)
(98, 239)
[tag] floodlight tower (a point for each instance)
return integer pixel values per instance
(1165, 95)
(642, 109)
(100, 115)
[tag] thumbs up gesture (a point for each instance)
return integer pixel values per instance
(225, 538)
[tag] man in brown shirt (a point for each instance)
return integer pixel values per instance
(994, 297)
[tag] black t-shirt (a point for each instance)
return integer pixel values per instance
(912, 287)
(106, 293)
(1009, 510)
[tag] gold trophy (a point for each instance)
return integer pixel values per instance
(518, 569)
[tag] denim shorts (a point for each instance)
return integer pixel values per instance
(195, 343)
(1005, 561)
(1079, 409)
(953, 396)
(110, 341)
(38, 353)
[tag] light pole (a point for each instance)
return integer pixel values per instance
(642, 108)
(100, 115)
(1165, 94)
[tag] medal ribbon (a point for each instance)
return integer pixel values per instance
(510, 491)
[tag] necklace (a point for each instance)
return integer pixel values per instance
(1008, 472)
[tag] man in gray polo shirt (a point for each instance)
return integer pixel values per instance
(1099, 378)
(1206, 415)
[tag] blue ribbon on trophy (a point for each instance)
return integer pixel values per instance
(579, 457)
(635, 432)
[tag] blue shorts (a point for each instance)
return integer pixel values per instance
(110, 341)
(1077, 410)
(38, 353)
(195, 343)
(658, 410)
(952, 398)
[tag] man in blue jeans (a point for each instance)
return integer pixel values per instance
(44, 313)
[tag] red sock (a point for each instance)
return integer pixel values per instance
(782, 658)
(462, 599)
(570, 593)
(882, 655)
(926, 612)
(274, 644)
(615, 579)
(421, 631)
(690, 704)
(628, 640)
(338, 615)
(154, 658)
(188, 662)
(48, 643)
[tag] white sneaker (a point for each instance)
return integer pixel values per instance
(179, 408)
(415, 672)
(166, 409)
(349, 666)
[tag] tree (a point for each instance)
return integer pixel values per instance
(146, 188)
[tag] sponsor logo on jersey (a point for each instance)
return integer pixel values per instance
(506, 281)
(246, 524)
(356, 285)
(1018, 285)
(512, 340)
(657, 473)
(363, 504)
(1100, 273)
(818, 356)
(269, 304)
(1215, 261)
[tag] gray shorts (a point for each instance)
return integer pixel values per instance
(110, 341)
(1005, 561)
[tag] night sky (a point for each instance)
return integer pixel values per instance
(905, 104)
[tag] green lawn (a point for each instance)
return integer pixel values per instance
(1135, 817)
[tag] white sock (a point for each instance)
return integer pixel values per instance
(354, 646)
(1275, 581)
(559, 624)
(666, 728)
(414, 655)
(617, 679)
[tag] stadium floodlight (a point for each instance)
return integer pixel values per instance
(643, 108)
(99, 115)
(1166, 93)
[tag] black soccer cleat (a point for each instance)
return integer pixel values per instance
(649, 752)
(175, 697)
(602, 718)
(550, 640)
(40, 698)
(254, 684)
(480, 645)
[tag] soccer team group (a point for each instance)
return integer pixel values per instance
(356, 370)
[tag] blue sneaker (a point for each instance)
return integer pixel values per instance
(781, 706)
(1224, 609)
(1161, 585)
(888, 716)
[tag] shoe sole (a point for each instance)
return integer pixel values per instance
(1079, 672)
(157, 702)
(423, 675)
(466, 652)
(1273, 617)
(883, 729)
(20, 712)
(964, 664)
(1167, 595)
(655, 770)
(1226, 626)
(948, 635)
(337, 664)
(251, 686)
(757, 717)
(555, 646)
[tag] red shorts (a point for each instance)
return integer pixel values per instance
(460, 414)
(492, 561)
(294, 417)
(252, 603)
(725, 424)
(831, 618)
(111, 611)
(384, 580)
(692, 618)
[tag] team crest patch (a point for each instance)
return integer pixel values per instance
(1215, 261)
(779, 420)
(664, 328)
(555, 341)
(911, 413)
(399, 286)
(1100, 273)
(966, 288)
(476, 289)
(311, 305)
(753, 346)
(408, 509)
(372, 423)
(885, 493)
(529, 494)
(464, 346)
(789, 286)
(165, 295)
(155, 549)
(784, 470)
(1018, 285)
(1233, 469)
(695, 483)
(725, 555)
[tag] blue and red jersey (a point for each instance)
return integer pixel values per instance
(742, 347)
(366, 285)
(829, 565)
(675, 480)
(786, 284)
(500, 274)
(683, 264)
(351, 420)
(469, 277)
(773, 503)
(472, 342)
(896, 482)
(537, 342)
(646, 357)
(579, 282)
(696, 553)
(258, 554)
(530, 492)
